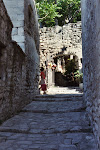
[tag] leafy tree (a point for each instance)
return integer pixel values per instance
(63, 10)
(47, 12)
(70, 11)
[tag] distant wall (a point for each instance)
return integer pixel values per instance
(56, 42)
(91, 61)
(18, 71)
(53, 39)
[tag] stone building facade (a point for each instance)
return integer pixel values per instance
(58, 44)
(91, 62)
(22, 14)
(19, 65)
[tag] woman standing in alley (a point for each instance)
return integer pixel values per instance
(42, 82)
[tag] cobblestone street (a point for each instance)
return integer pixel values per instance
(55, 121)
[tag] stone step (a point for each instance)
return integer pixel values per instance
(57, 99)
(47, 123)
(69, 141)
(62, 97)
(44, 106)
(59, 96)
(50, 122)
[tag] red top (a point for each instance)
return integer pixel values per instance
(42, 75)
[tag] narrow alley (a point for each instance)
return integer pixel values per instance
(50, 122)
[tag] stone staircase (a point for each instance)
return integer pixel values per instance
(50, 122)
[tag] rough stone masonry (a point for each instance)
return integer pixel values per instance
(54, 39)
(91, 61)
(18, 76)
(49, 122)
(19, 59)
(57, 42)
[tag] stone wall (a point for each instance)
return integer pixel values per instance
(15, 10)
(18, 72)
(31, 23)
(54, 39)
(91, 62)
(56, 42)
(24, 18)
(25, 32)
(32, 39)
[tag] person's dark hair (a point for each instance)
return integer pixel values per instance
(42, 69)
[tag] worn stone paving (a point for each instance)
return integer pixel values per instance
(50, 122)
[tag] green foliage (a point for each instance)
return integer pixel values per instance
(70, 10)
(62, 10)
(78, 75)
(70, 67)
(47, 12)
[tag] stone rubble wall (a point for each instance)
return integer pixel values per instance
(18, 72)
(53, 39)
(4, 26)
(25, 32)
(91, 62)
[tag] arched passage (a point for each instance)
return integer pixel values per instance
(66, 66)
